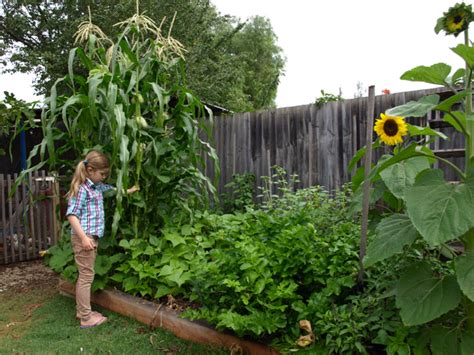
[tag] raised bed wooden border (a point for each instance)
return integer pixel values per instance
(153, 315)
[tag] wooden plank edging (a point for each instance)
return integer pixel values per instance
(155, 316)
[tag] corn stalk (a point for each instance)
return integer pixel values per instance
(133, 105)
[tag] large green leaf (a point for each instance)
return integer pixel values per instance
(423, 297)
(465, 274)
(391, 235)
(102, 264)
(375, 193)
(466, 53)
(360, 153)
(457, 119)
(446, 105)
(60, 258)
(410, 152)
(435, 74)
(425, 131)
(179, 277)
(457, 78)
(401, 175)
(174, 238)
(440, 211)
(451, 341)
(444, 341)
(467, 343)
(415, 108)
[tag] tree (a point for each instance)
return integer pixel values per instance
(261, 59)
(15, 115)
(232, 64)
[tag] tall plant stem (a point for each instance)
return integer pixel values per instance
(468, 238)
(137, 114)
(468, 112)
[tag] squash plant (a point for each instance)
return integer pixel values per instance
(425, 206)
(129, 99)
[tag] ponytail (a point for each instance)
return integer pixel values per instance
(79, 177)
(95, 160)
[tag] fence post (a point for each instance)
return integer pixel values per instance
(3, 206)
(366, 186)
(56, 211)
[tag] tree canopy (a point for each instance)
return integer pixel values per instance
(229, 63)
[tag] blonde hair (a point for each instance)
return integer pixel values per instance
(95, 160)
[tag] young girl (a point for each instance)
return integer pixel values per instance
(85, 213)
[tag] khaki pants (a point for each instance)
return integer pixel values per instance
(85, 260)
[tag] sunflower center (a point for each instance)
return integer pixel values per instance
(390, 127)
(457, 19)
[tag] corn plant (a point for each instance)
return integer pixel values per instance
(128, 98)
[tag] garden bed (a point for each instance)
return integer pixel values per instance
(156, 315)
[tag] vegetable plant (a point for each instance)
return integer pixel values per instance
(418, 204)
(130, 100)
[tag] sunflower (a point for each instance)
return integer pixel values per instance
(455, 20)
(390, 129)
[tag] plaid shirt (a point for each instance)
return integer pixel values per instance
(88, 206)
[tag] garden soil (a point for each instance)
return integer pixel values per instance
(24, 287)
(27, 276)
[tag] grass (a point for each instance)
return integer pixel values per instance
(44, 322)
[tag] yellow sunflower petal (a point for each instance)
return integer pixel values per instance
(391, 129)
(457, 19)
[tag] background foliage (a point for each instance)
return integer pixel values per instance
(15, 115)
(260, 270)
(228, 63)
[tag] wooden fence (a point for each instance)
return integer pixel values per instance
(28, 221)
(314, 143)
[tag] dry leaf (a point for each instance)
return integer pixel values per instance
(306, 325)
(305, 340)
(236, 349)
(308, 339)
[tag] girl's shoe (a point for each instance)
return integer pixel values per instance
(94, 321)
(93, 313)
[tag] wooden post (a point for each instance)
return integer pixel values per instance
(31, 224)
(10, 218)
(18, 220)
(3, 207)
(25, 218)
(43, 211)
(366, 185)
(56, 212)
(37, 212)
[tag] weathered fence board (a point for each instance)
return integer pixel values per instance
(27, 218)
(315, 143)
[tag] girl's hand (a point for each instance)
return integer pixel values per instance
(133, 189)
(88, 243)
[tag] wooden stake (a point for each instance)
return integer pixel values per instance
(366, 185)
(3, 224)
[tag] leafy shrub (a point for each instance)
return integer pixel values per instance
(239, 193)
(293, 259)
(261, 271)
(327, 97)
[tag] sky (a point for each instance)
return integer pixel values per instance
(333, 45)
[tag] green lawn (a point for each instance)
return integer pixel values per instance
(42, 321)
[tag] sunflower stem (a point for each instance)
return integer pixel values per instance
(468, 238)
(468, 112)
(461, 174)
